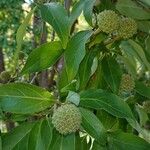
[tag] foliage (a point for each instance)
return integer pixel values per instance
(101, 74)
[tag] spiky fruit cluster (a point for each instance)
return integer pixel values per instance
(127, 28)
(67, 119)
(146, 106)
(108, 21)
(5, 76)
(127, 83)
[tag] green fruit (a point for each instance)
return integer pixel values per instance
(5, 76)
(146, 106)
(127, 83)
(127, 28)
(67, 119)
(108, 21)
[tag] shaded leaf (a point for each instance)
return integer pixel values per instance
(131, 9)
(100, 99)
(23, 144)
(11, 139)
(107, 119)
(144, 26)
(93, 126)
(81, 143)
(135, 50)
(57, 17)
(76, 11)
(88, 10)
(124, 141)
(40, 136)
(130, 63)
(21, 33)
(75, 52)
(24, 98)
(60, 142)
(43, 57)
(97, 146)
(73, 97)
(147, 2)
(142, 89)
(112, 73)
(85, 68)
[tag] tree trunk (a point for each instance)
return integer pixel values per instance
(2, 66)
(43, 77)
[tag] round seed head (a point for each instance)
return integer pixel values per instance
(67, 119)
(108, 21)
(127, 28)
(127, 83)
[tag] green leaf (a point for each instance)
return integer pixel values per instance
(112, 73)
(76, 11)
(97, 146)
(147, 45)
(43, 57)
(11, 139)
(86, 68)
(88, 10)
(23, 143)
(131, 9)
(81, 143)
(0, 142)
(135, 50)
(100, 99)
(60, 142)
(124, 141)
(107, 119)
(73, 97)
(21, 33)
(57, 17)
(24, 98)
(40, 136)
(75, 52)
(147, 2)
(142, 89)
(144, 26)
(130, 63)
(93, 126)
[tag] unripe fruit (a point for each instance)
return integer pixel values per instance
(108, 21)
(127, 28)
(67, 119)
(127, 83)
(146, 106)
(5, 76)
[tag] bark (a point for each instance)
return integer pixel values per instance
(43, 77)
(67, 4)
(2, 66)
